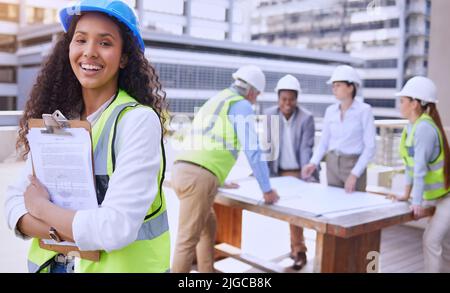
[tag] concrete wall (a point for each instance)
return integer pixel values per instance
(439, 56)
(26, 77)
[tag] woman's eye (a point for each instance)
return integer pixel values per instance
(107, 44)
(80, 41)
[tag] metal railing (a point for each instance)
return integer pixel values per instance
(388, 138)
(388, 142)
(10, 118)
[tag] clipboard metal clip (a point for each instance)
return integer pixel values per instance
(55, 123)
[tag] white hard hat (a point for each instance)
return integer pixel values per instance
(252, 75)
(420, 88)
(288, 82)
(345, 73)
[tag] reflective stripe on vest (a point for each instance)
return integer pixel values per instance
(154, 227)
(434, 178)
(213, 143)
(207, 130)
(39, 259)
(101, 150)
(34, 268)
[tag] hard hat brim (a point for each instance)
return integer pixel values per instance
(66, 18)
(404, 94)
(285, 89)
(357, 83)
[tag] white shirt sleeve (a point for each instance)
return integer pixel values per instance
(369, 142)
(322, 148)
(132, 187)
(14, 200)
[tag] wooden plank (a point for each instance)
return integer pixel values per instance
(372, 220)
(229, 227)
(398, 252)
(401, 250)
(412, 263)
(404, 241)
(345, 255)
(236, 253)
(400, 234)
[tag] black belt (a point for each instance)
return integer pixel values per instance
(288, 170)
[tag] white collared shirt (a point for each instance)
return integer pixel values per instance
(131, 189)
(93, 117)
(354, 135)
(288, 160)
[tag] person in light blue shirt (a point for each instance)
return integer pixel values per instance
(426, 153)
(248, 138)
(223, 126)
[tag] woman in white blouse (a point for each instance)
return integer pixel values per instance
(348, 135)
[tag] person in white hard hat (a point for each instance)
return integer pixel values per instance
(295, 147)
(223, 126)
(425, 151)
(348, 135)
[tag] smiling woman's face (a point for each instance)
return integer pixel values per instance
(95, 51)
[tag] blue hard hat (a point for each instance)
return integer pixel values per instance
(115, 8)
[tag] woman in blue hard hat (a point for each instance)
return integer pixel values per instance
(98, 72)
(426, 154)
(348, 135)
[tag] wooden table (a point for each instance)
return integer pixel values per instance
(343, 243)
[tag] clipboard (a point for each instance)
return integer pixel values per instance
(56, 124)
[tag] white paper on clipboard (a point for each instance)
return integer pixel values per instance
(63, 164)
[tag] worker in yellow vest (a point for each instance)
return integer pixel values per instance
(426, 154)
(221, 128)
(98, 72)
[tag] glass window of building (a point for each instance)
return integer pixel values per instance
(167, 6)
(8, 103)
(8, 43)
(9, 12)
(208, 33)
(7, 74)
(208, 11)
(38, 15)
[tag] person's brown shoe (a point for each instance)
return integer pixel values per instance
(299, 261)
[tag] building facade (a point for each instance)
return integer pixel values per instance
(210, 19)
(192, 70)
(392, 36)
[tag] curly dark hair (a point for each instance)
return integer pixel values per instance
(57, 87)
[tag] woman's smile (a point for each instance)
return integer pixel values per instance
(90, 69)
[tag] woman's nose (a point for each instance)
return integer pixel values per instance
(90, 50)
